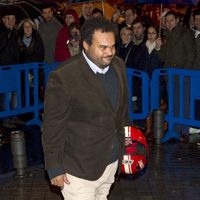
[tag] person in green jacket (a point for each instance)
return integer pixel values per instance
(176, 50)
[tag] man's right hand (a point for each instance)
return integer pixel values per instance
(158, 43)
(60, 180)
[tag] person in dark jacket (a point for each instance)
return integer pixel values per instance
(8, 53)
(31, 49)
(127, 49)
(130, 15)
(30, 44)
(147, 60)
(139, 31)
(178, 51)
(8, 38)
(86, 9)
(196, 29)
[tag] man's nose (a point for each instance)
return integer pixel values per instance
(110, 50)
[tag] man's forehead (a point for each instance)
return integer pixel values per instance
(47, 10)
(100, 39)
(100, 32)
(138, 24)
(9, 16)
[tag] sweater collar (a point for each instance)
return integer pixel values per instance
(93, 66)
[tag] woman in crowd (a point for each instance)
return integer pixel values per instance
(147, 60)
(30, 44)
(31, 49)
(74, 38)
(62, 52)
(127, 50)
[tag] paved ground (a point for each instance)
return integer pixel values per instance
(173, 174)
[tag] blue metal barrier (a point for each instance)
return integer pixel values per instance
(20, 90)
(181, 101)
(21, 86)
(143, 79)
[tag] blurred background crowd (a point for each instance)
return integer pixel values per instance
(148, 35)
(49, 30)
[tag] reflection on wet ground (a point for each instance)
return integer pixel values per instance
(173, 173)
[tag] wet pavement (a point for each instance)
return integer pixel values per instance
(173, 173)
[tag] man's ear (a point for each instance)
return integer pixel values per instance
(85, 45)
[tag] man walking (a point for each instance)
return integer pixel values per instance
(86, 106)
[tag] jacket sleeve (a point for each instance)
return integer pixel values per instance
(38, 52)
(56, 109)
(189, 45)
(3, 41)
(126, 117)
(61, 49)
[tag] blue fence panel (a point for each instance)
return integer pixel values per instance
(181, 102)
(143, 79)
(20, 90)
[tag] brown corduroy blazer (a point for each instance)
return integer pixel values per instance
(79, 122)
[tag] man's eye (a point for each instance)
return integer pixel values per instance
(103, 47)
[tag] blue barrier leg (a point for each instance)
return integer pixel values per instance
(170, 134)
(34, 122)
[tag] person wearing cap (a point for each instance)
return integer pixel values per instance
(8, 39)
(8, 55)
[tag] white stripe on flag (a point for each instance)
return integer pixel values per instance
(129, 163)
(127, 131)
(126, 164)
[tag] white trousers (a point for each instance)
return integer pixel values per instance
(81, 189)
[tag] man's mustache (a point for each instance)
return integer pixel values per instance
(108, 56)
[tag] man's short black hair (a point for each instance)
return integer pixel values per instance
(46, 6)
(173, 14)
(95, 24)
(8, 11)
(196, 12)
(140, 21)
(96, 10)
(130, 8)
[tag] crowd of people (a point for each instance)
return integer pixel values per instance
(86, 98)
(52, 41)
(142, 42)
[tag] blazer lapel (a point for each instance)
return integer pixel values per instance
(93, 80)
(120, 89)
